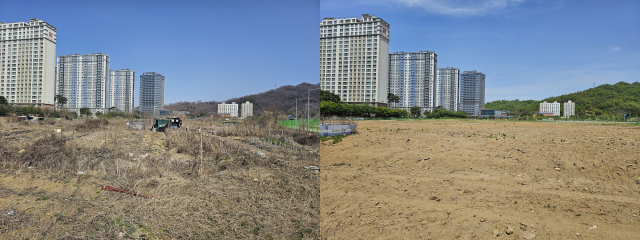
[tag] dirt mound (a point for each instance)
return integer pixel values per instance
(306, 138)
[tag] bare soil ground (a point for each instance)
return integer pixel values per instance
(463, 179)
(226, 182)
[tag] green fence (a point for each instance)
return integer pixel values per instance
(312, 125)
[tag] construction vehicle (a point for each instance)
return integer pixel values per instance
(160, 124)
(175, 122)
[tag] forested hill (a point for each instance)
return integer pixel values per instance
(617, 99)
(282, 99)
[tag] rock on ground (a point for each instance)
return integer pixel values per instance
(528, 235)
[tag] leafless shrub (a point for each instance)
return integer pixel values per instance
(266, 127)
(306, 138)
(66, 114)
(47, 121)
(186, 142)
(92, 124)
(208, 147)
(8, 152)
(13, 119)
(47, 152)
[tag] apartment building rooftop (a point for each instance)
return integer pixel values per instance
(347, 20)
(32, 22)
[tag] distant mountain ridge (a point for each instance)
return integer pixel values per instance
(617, 99)
(282, 99)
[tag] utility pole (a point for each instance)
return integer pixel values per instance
(297, 107)
(308, 98)
(308, 104)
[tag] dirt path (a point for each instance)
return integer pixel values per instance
(464, 179)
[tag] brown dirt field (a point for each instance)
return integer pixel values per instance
(240, 187)
(554, 180)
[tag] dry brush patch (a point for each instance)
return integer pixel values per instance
(225, 190)
(47, 121)
(92, 124)
(13, 119)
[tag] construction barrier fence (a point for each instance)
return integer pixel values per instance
(327, 130)
(311, 125)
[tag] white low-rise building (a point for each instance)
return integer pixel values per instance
(247, 109)
(550, 107)
(569, 109)
(231, 109)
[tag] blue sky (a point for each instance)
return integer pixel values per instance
(207, 50)
(528, 49)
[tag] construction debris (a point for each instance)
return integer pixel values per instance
(313, 168)
(113, 189)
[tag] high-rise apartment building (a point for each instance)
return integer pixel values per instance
(151, 93)
(472, 92)
(448, 79)
(247, 109)
(120, 89)
(569, 109)
(231, 109)
(412, 77)
(82, 79)
(554, 108)
(354, 59)
(27, 63)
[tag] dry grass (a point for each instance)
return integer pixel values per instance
(13, 119)
(234, 186)
(47, 121)
(92, 125)
(50, 152)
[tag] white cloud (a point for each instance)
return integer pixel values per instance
(460, 7)
(615, 49)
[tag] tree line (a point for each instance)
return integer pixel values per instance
(608, 100)
(332, 105)
(351, 110)
(5, 108)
